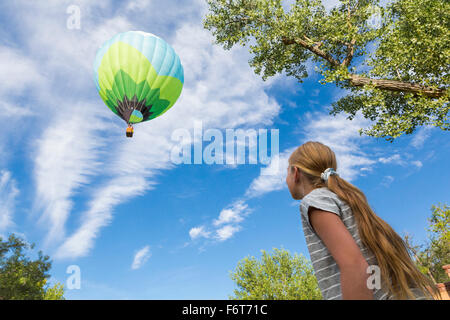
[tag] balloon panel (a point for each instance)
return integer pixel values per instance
(136, 116)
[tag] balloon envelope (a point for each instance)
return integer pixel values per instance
(138, 75)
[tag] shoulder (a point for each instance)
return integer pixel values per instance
(320, 192)
(321, 198)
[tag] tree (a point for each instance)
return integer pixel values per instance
(55, 293)
(22, 278)
(431, 257)
(278, 276)
(395, 69)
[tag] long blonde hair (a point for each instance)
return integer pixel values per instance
(393, 258)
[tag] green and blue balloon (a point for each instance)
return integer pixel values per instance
(138, 75)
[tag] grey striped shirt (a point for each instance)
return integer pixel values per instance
(325, 267)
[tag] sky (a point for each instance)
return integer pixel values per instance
(135, 224)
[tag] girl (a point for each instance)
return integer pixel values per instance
(353, 251)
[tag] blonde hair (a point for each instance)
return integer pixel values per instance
(394, 261)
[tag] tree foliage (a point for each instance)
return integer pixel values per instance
(395, 66)
(22, 278)
(277, 276)
(436, 252)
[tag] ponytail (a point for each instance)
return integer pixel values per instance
(388, 247)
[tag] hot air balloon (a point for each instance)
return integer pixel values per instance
(139, 76)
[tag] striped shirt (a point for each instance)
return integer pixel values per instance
(325, 267)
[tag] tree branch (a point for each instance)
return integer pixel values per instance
(394, 85)
(414, 252)
(359, 81)
(311, 47)
(350, 52)
(351, 45)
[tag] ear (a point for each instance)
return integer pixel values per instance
(297, 174)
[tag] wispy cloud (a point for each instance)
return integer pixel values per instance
(66, 157)
(141, 257)
(199, 232)
(227, 232)
(420, 137)
(59, 82)
(8, 194)
(137, 5)
(100, 214)
(22, 72)
(342, 136)
(272, 177)
(387, 180)
(231, 215)
(22, 78)
(396, 158)
(225, 226)
(417, 163)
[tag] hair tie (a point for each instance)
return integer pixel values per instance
(328, 172)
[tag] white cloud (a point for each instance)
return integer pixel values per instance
(99, 214)
(22, 77)
(198, 232)
(8, 194)
(232, 215)
(272, 177)
(208, 70)
(417, 163)
(72, 50)
(19, 72)
(66, 157)
(392, 159)
(137, 5)
(141, 257)
(420, 137)
(342, 136)
(398, 160)
(226, 225)
(226, 232)
(12, 111)
(387, 180)
(330, 4)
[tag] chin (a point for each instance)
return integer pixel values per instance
(296, 196)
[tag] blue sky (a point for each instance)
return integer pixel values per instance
(138, 226)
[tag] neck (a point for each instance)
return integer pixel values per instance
(305, 187)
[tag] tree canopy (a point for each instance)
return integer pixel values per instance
(393, 60)
(22, 278)
(430, 257)
(277, 276)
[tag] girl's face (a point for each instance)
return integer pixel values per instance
(293, 182)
